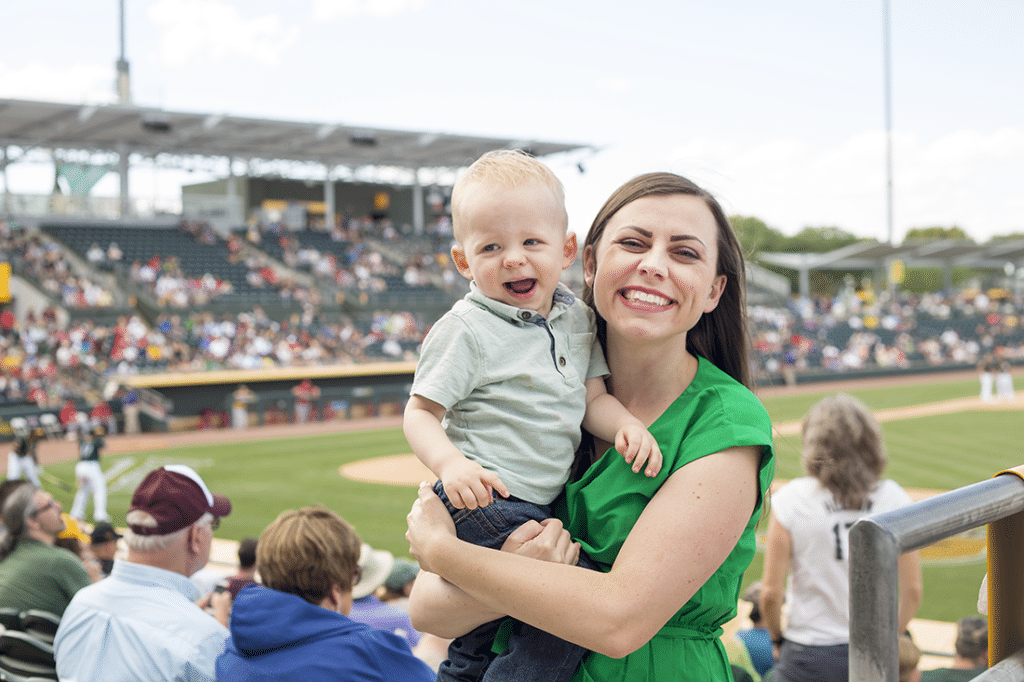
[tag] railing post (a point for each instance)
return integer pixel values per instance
(1006, 582)
(874, 599)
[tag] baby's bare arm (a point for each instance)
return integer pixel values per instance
(466, 483)
(609, 420)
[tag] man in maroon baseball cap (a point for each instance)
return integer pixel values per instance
(144, 616)
(171, 498)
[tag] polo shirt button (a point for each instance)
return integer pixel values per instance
(524, 315)
(561, 361)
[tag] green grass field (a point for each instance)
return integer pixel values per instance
(264, 477)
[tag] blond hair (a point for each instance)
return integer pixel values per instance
(502, 168)
(843, 448)
(306, 552)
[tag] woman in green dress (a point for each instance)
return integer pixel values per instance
(665, 274)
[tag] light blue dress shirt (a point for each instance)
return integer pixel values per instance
(140, 624)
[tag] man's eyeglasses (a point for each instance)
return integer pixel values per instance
(49, 505)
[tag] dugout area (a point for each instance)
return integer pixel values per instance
(203, 400)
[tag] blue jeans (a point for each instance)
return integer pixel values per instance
(532, 654)
(804, 663)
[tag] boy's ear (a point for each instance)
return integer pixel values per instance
(459, 258)
(571, 248)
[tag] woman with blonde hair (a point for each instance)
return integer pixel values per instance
(844, 457)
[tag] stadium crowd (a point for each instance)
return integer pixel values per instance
(49, 361)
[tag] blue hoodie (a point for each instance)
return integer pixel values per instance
(279, 636)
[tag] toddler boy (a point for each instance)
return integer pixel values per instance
(504, 381)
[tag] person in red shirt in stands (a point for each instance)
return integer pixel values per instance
(305, 394)
(68, 416)
(102, 415)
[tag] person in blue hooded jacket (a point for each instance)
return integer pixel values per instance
(295, 625)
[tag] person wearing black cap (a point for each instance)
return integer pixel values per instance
(103, 543)
(142, 623)
(22, 461)
(89, 476)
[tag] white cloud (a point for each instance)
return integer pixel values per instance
(329, 9)
(200, 30)
(91, 83)
(615, 84)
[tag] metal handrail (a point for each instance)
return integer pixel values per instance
(877, 541)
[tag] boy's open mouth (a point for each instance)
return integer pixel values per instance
(521, 286)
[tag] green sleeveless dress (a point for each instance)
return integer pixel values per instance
(714, 413)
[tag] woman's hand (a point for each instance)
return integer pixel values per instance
(429, 522)
(545, 540)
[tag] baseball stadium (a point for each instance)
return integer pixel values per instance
(266, 335)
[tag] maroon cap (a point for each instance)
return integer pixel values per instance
(176, 497)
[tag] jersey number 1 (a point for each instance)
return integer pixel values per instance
(841, 531)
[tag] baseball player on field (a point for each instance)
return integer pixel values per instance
(22, 461)
(90, 478)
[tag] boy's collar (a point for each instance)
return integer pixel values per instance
(562, 295)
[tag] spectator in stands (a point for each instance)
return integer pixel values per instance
(8, 486)
(488, 383)
(295, 625)
(305, 394)
(756, 638)
(95, 255)
(130, 408)
(68, 416)
(35, 574)
(844, 458)
(695, 534)
(374, 568)
(142, 623)
(114, 253)
(971, 653)
(103, 541)
(102, 415)
(398, 586)
(246, 567)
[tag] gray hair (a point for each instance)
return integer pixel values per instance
(18, 508)
(154, 543)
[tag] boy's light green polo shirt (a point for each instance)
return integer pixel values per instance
(512, 383)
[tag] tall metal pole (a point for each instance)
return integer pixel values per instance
(887, 68)
(124, 91)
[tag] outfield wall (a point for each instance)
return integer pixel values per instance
(345, 391)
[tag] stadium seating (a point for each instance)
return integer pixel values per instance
(22, 654)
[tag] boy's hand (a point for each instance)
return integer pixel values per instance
(637, 446)
(468, 485)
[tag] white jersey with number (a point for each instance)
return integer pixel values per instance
(818, 593)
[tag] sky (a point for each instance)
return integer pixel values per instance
(778, 108)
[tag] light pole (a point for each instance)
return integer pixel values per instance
(124, 90)
(887, 78)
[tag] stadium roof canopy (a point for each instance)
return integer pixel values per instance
(942, 253)
(120, 128)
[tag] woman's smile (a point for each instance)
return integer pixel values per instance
(646, 297)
